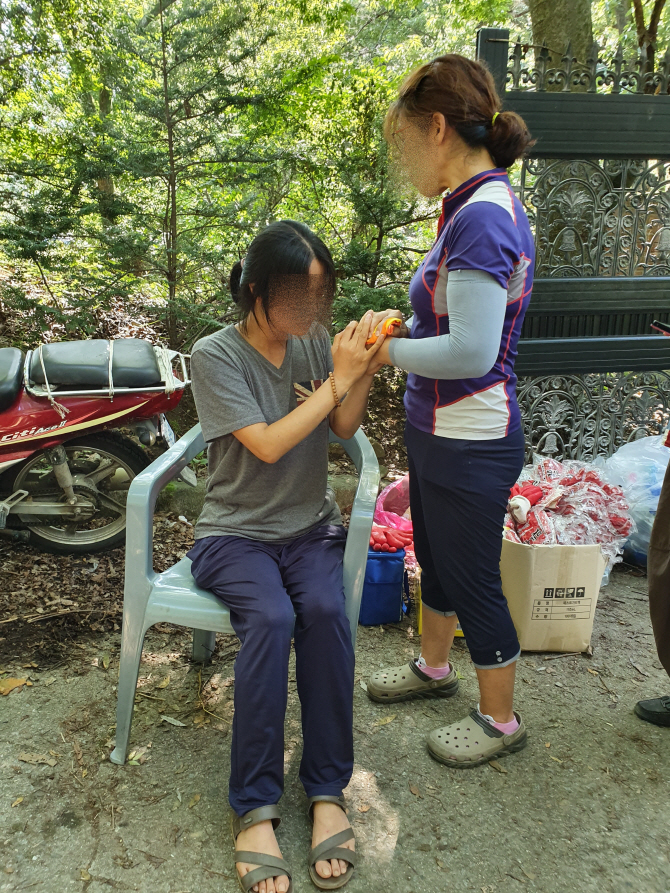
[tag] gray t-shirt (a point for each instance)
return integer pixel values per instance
(235, 386)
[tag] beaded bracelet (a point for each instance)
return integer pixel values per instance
(338, 402)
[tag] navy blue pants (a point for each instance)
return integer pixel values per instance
(458, 492)
(268, 588)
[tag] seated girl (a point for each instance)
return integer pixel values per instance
(270, 541)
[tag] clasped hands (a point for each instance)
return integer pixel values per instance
(352, 357)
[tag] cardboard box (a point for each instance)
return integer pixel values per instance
(552, 593)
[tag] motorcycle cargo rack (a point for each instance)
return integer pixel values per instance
(95, 360)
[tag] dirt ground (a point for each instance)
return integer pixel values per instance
(585, 807)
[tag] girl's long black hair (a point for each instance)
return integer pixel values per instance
(285, 248)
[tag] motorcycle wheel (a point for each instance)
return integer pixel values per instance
(102, 466)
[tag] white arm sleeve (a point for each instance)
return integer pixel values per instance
(476, 304)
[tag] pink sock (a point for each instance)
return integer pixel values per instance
(433, 672)
(505, 727)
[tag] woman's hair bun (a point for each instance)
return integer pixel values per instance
(508, 139)
(234, 281)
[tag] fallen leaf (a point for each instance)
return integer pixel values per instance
(17, 801)
(7, 685)
(363, 685)
(638, 667)
(77, 752)
(555, 759)
(414, 790)
(156, 861)
(28, 666)
(199, 718)
(194, 799)
(593, 672)
(386, 720)
(529, 874)
(36, 758)
(172, 721)
(494, 764)
(164, 683)
(49, 681)
(548, 744)
(363, 807)
(84, 875)
(105, 659)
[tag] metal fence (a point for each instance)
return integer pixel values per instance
(596, 189)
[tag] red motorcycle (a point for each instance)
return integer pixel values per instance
(64, 471)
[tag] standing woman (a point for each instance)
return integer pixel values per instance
(464, 437)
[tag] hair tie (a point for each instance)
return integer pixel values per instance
(493, 119)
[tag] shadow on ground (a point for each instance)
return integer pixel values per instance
(585, 807)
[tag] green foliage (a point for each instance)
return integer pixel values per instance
(142, 144)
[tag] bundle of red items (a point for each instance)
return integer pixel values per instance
(570, 504)
(392, 513)
(388, 539)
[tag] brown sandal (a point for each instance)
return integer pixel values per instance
(268, 866)
(331, 849)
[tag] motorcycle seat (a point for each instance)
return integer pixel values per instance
(11, 375)
(85, 364)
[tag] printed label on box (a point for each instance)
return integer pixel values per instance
(561, 608)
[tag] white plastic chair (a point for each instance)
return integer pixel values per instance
(173, 597)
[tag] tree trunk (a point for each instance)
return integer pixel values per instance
(555, 22)
(170, 224)
(647, 35)
(621, 13)
(105, 182)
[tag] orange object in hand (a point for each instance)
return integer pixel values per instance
(385, 328)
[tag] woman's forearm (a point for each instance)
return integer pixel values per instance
(476, 305)
(270, 442)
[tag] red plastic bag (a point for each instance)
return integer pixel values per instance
(392, 503)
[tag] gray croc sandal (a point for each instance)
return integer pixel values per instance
(331, 849)
(404, 683)
(268, 866)
(473, 741)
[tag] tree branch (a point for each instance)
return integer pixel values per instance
(656, 17)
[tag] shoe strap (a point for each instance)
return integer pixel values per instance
(325, 798)
(424, 677)
(330, 849)
(255, 816)
(490, 730)
(268, 867)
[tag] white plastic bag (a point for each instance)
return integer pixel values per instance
(638, 468)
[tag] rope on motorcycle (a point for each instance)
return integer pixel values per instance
(111, 377)
(60, 409)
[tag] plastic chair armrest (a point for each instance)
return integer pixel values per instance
(142, 495)
(362, 513)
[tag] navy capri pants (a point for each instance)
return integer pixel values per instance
(458, 495)
(276, 592)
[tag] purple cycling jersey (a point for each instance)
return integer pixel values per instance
(483, 227)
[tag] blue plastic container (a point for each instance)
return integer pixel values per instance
(383, 588)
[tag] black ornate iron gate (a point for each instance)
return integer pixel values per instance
(596, 188)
